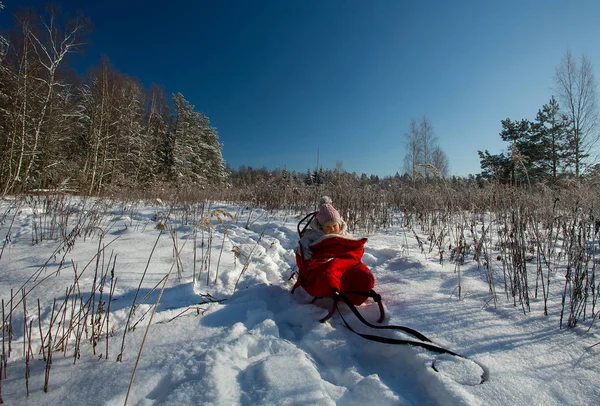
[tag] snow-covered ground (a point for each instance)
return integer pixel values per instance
(262, 345)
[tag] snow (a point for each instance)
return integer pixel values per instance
(260, 345)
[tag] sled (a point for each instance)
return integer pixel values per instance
(335, 269)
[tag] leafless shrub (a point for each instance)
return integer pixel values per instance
(72, 316)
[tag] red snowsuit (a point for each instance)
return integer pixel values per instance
(335, 265)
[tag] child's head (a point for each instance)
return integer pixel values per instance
(328, 217)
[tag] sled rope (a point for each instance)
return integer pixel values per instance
(377, 298)
(423, 343)
(360, 317)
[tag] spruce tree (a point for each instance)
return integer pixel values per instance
(197, 154)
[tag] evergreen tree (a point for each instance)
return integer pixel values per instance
(213, 167)
(160, 157)
(524, 151)
(537, 151)
(186, 140)
(196, 149)
(309, 178)
(495, 167)
(525, 159)
(554, 132)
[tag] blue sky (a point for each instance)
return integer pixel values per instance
(284, 80)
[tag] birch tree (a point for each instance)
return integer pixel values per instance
(428, 143)
(3, 41)
(422, 151)
(101, 133)
(6, 112)
(439, 160)
(45, 46)
(17, 82)
(414, 152)
(577, 94)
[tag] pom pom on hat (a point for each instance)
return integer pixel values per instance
(325, 200)
(326, 211)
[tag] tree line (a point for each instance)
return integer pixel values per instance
(95, 133)
(560, 142)
(103, 131)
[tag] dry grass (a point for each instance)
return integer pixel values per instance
(521, 239)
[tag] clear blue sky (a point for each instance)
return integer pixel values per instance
(283, 79)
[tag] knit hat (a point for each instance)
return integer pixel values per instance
(326, 211)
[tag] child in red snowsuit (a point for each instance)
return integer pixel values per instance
(329, 258)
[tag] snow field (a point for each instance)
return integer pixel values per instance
(264, 346)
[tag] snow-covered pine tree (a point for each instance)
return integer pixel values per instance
(197, 155)
(158, 116)
(186, 160)
(210, 152)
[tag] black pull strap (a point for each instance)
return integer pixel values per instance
(354, 310)
(387, 340)
(376, 297)
(427, 345)
(336, 298)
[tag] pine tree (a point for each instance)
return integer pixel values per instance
(553, 134)
(495, 167)
(524, 151)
